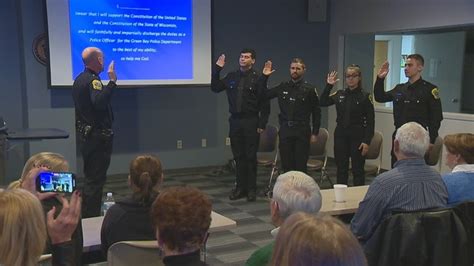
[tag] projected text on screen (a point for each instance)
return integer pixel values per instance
(153, 38)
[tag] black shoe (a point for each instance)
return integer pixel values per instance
(252, 195)
(237, 193)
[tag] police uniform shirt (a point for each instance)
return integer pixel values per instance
(353, 107)
(418, 102)
(92, 100)
(245, 91)
(298, 101)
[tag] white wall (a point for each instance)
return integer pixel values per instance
(368, 16)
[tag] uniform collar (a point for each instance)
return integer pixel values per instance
(298, 82)
(246, 72)
(91, 71)
(358, 89)
(419, 81)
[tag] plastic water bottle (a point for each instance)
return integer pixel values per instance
(108, 202)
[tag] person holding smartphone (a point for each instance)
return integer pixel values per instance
(51, 162)
(24, 227)
(94, 119)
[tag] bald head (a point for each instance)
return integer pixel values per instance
(93, 59)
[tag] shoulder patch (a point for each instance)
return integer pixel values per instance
(97, 85)
(371, 98)
(435, 93)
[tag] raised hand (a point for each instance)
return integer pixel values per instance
(61, 228)
(221, 60)
(383, 71)
(332, 78)
(111, 72)
(267, 68)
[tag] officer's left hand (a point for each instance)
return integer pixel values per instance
(314, 138)
(259, 130)
(364, 148)
(111, 72)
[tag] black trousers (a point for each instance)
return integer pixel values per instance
(244, 143)
(294, 147)
(346, 145)
(96, 151)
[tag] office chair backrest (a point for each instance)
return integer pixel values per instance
(145, 253)
(434, 155)
(375, 146)
(268, 139)
(318, 148)
(435, 237)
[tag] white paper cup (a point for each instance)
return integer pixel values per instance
(340, 192)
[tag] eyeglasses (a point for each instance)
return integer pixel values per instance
(352, 76)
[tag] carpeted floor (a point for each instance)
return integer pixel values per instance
(231, 247)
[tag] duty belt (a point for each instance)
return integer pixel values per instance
(292, 123)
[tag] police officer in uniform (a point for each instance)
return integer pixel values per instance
(94, 126)
(355, 124)
(249, 116)
(414, 101)
(298, 101)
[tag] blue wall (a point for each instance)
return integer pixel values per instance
(151, 120)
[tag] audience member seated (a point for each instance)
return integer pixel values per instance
(411, 185)
(460, 158)
(293, 192)
(181, 216)
(52, 162)
(130, 219)
(23, 229)
(306, 240)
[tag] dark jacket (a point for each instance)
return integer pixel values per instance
(63, 254)
(245, 91)
(127, 220)
(418, 102)
(431, 238)
(92, 100)
(298, 103)
(354, 109)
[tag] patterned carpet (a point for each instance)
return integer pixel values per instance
(232, 247)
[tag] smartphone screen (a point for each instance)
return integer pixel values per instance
(64, 182)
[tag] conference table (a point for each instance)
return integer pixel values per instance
(91, 229)
(354, 195)
(25, 134)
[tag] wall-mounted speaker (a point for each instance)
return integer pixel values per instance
(317, 10)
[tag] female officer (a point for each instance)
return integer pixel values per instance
(355, 124)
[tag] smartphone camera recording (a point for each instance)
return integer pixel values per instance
(62, 182)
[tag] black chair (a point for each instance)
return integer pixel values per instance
(434, 237)
(465, 211)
